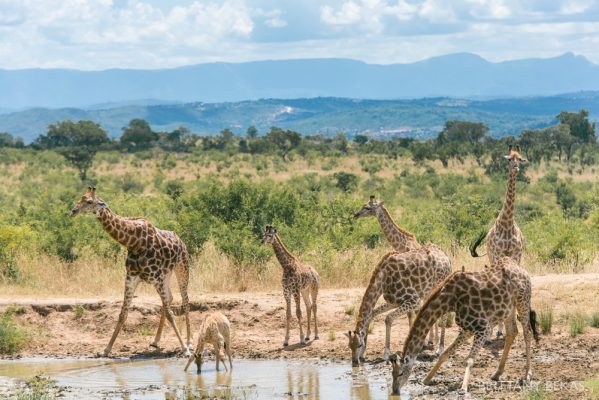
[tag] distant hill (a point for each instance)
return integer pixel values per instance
(420, 118)
(461, 75)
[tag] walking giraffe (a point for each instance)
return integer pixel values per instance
(403, 279)
(400, 239)
(152, 255)
(480, 300)
(299, 280)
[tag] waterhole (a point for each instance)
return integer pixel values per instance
(164, 379)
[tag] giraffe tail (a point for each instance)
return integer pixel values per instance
(532, 315)
(477, 243)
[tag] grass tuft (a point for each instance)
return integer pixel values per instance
(546, 319)
(578, 323)
(13, 337)
(594, 322)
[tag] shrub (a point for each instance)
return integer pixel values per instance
(13, 337)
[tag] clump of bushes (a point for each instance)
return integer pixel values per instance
(13, 337)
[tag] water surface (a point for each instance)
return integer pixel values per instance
(165, 379)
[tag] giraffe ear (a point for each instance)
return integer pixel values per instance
(518, 148)
(509, 148)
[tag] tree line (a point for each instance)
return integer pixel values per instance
(573, 135)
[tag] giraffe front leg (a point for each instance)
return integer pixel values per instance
(441, 343)
(479, 341)
(298, 314)
(288, 318)
(389, 319)
(131, 283)
(524, 318)
(462, 337)
(162, 289)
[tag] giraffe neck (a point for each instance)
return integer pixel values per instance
(286, 259)
(119, 228)
(371, 295)
(434, 308)
(401, 239)
(506, 216)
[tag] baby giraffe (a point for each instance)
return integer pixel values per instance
(215, 330)
(480, 300)
(298, 280)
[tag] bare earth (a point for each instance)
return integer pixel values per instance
(560, 363)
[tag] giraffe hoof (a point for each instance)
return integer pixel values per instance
(307, 339)
(316, 337)
(285, 344)
(154, 345)
(495, 377)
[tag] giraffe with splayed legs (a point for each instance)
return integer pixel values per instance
(403, 279)
(152, 256)
(299, 281)
(401, 240)
(480, 300)
(505, 238)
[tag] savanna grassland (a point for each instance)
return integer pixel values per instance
(219, 192)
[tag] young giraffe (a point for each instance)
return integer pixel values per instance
(480, 300)
(152, 255)
(298, 280)
(505, 238)
(403, 279)
(400, 239)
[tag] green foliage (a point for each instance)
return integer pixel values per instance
(346, 181)
(565, 196)
(580, 126)
(12, 239)
(78, 142)
(39, 387)
(13, 337)
(138, 135)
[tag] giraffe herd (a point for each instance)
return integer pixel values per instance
(412, 278)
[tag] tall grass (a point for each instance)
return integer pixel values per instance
(13, 337)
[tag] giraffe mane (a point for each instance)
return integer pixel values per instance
(370, 284)
(432, 296)
(285, 247)
(402, 230)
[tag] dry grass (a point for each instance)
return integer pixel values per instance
(213, 272)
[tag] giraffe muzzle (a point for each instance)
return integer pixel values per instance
(74, 212)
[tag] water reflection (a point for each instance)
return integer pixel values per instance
(164, 378)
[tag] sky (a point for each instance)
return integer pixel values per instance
(149, 34)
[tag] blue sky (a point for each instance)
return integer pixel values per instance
(100, 34)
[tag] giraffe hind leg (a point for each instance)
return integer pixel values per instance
(182, 274)
(308, 304)
(162, 289)
(314, 295)
(161, 323)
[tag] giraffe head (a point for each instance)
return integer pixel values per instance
(357, 345)
(401, 368)
(515, 158)
(369, 209)
(198, 358)
(269, 234)
(88, 203)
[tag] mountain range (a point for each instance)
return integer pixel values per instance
(462, 75)
(420, 118)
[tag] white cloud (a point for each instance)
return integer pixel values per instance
(97, 34)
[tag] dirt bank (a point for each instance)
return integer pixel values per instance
(82, 327)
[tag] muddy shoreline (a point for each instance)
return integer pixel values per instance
(67, 328)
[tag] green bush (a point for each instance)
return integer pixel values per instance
(13, 337)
